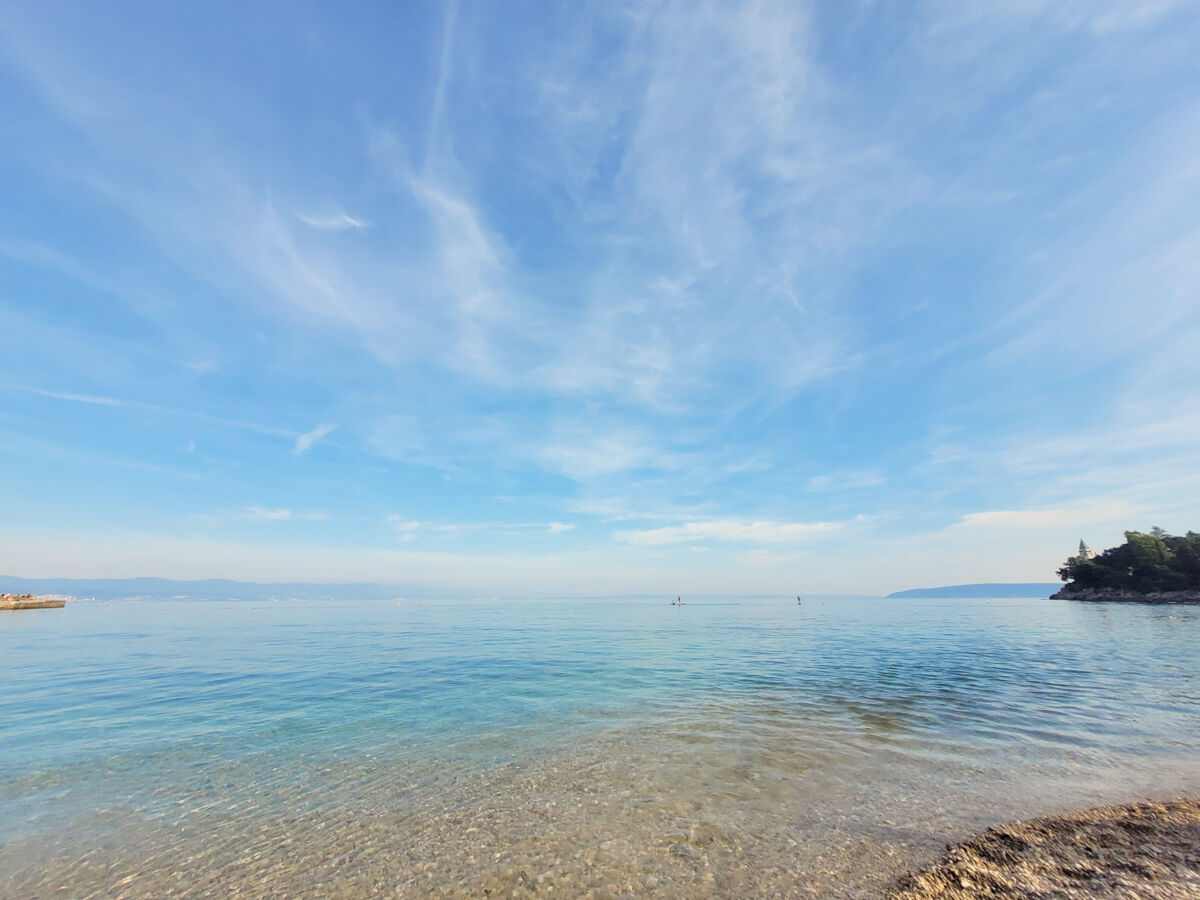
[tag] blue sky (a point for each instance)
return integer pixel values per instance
(596, 298)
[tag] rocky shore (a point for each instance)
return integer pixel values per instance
(30, 601)
(1121, 595)
(1143, 850)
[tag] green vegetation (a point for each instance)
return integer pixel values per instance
(1145, 563)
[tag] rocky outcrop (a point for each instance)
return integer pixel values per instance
(1144, 850)
(1123, 595)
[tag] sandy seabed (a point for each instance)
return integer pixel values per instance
(643, 815)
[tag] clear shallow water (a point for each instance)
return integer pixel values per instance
(606, 747)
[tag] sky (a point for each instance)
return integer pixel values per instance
(596, 298)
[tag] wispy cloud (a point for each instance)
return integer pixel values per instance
(471, 268)
(259, 513)
(410, 529)
(77, 398)
(166, 412)
(729, 530)
(305, 442)
(279, 514)
(406, 529)
(846, 481)
(694, 109)
(583, 455)
(435, 132)
(335, 222)
(1087, 515)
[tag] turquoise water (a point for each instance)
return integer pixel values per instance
(789, 733)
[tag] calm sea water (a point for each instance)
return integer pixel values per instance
(603, 747)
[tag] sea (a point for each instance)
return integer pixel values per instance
(728, 747)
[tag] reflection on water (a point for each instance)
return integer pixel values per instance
(615, 747)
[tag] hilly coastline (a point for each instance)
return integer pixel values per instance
(206, 589)
(981, 591)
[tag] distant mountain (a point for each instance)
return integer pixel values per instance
(1028, 589)
(208, 589)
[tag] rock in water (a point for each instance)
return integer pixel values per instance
(1149, 850)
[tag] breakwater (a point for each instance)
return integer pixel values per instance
(30, 601)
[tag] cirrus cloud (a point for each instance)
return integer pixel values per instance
(733, 530)
(305, 442)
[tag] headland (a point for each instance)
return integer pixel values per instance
(988, 591)
(1150, 567)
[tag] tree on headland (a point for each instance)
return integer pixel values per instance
(1156, 561)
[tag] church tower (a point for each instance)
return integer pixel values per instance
(1085, 552)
